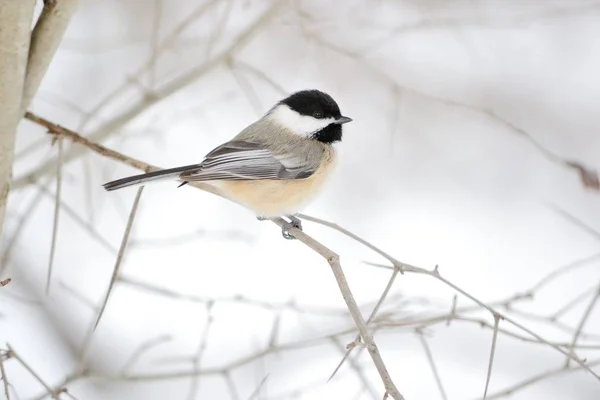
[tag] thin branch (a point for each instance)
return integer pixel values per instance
(200, 352)
(434, 369)
(57, 202)
(69, 211)
(558, 272)
(572, 303)
(115, 274)
(143, 348)
(352, 345)
(267, 305)
(231, 386)
(357, 369)
(492, 353)
(582, 322)
(256, 391)
(51, 392)
(540, 377)
(435, 274)
(334, 262)
(104, 151)
(4, 377)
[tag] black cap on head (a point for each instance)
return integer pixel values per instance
(314, 103)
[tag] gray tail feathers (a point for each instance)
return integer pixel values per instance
(149, 177)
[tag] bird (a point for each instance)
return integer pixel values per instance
(275, 166)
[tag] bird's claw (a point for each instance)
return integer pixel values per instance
(294, 223)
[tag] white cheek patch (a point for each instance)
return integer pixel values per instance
(301, 125)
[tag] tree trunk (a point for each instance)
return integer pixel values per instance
(15, 24)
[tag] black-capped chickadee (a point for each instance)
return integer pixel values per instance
(276, 165)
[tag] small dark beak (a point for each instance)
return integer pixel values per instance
(343, 120)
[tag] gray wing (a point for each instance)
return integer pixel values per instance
(243, 160)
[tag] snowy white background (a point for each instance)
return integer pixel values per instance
(434, 171)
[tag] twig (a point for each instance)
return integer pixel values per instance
(356, 368)
(352, 345)
(200, 352)
(434, 273)
(115, 274)
(57, 202)
(267, 305)
(4, 377)
(334, 262)
(582, 322)
(434, 369)
(106, 152)
(579, 263)
(492, 353)
(142, 349)
(537, 378)
(258, 389)
(51, 392)
(231, 386)
(68, 210)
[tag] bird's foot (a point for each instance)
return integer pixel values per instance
(294, 223)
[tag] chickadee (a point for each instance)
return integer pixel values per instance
(273, 167)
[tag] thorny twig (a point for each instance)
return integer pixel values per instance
(115, 274)
(404, 267)
(57, 203)
(497, 318)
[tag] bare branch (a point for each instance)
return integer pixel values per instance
(57, 202)
(435, 274)
(76, 138)
(50, 392)
(115, 274)
(334, 262)
(352, 345)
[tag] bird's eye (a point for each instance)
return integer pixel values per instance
(318, 114)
